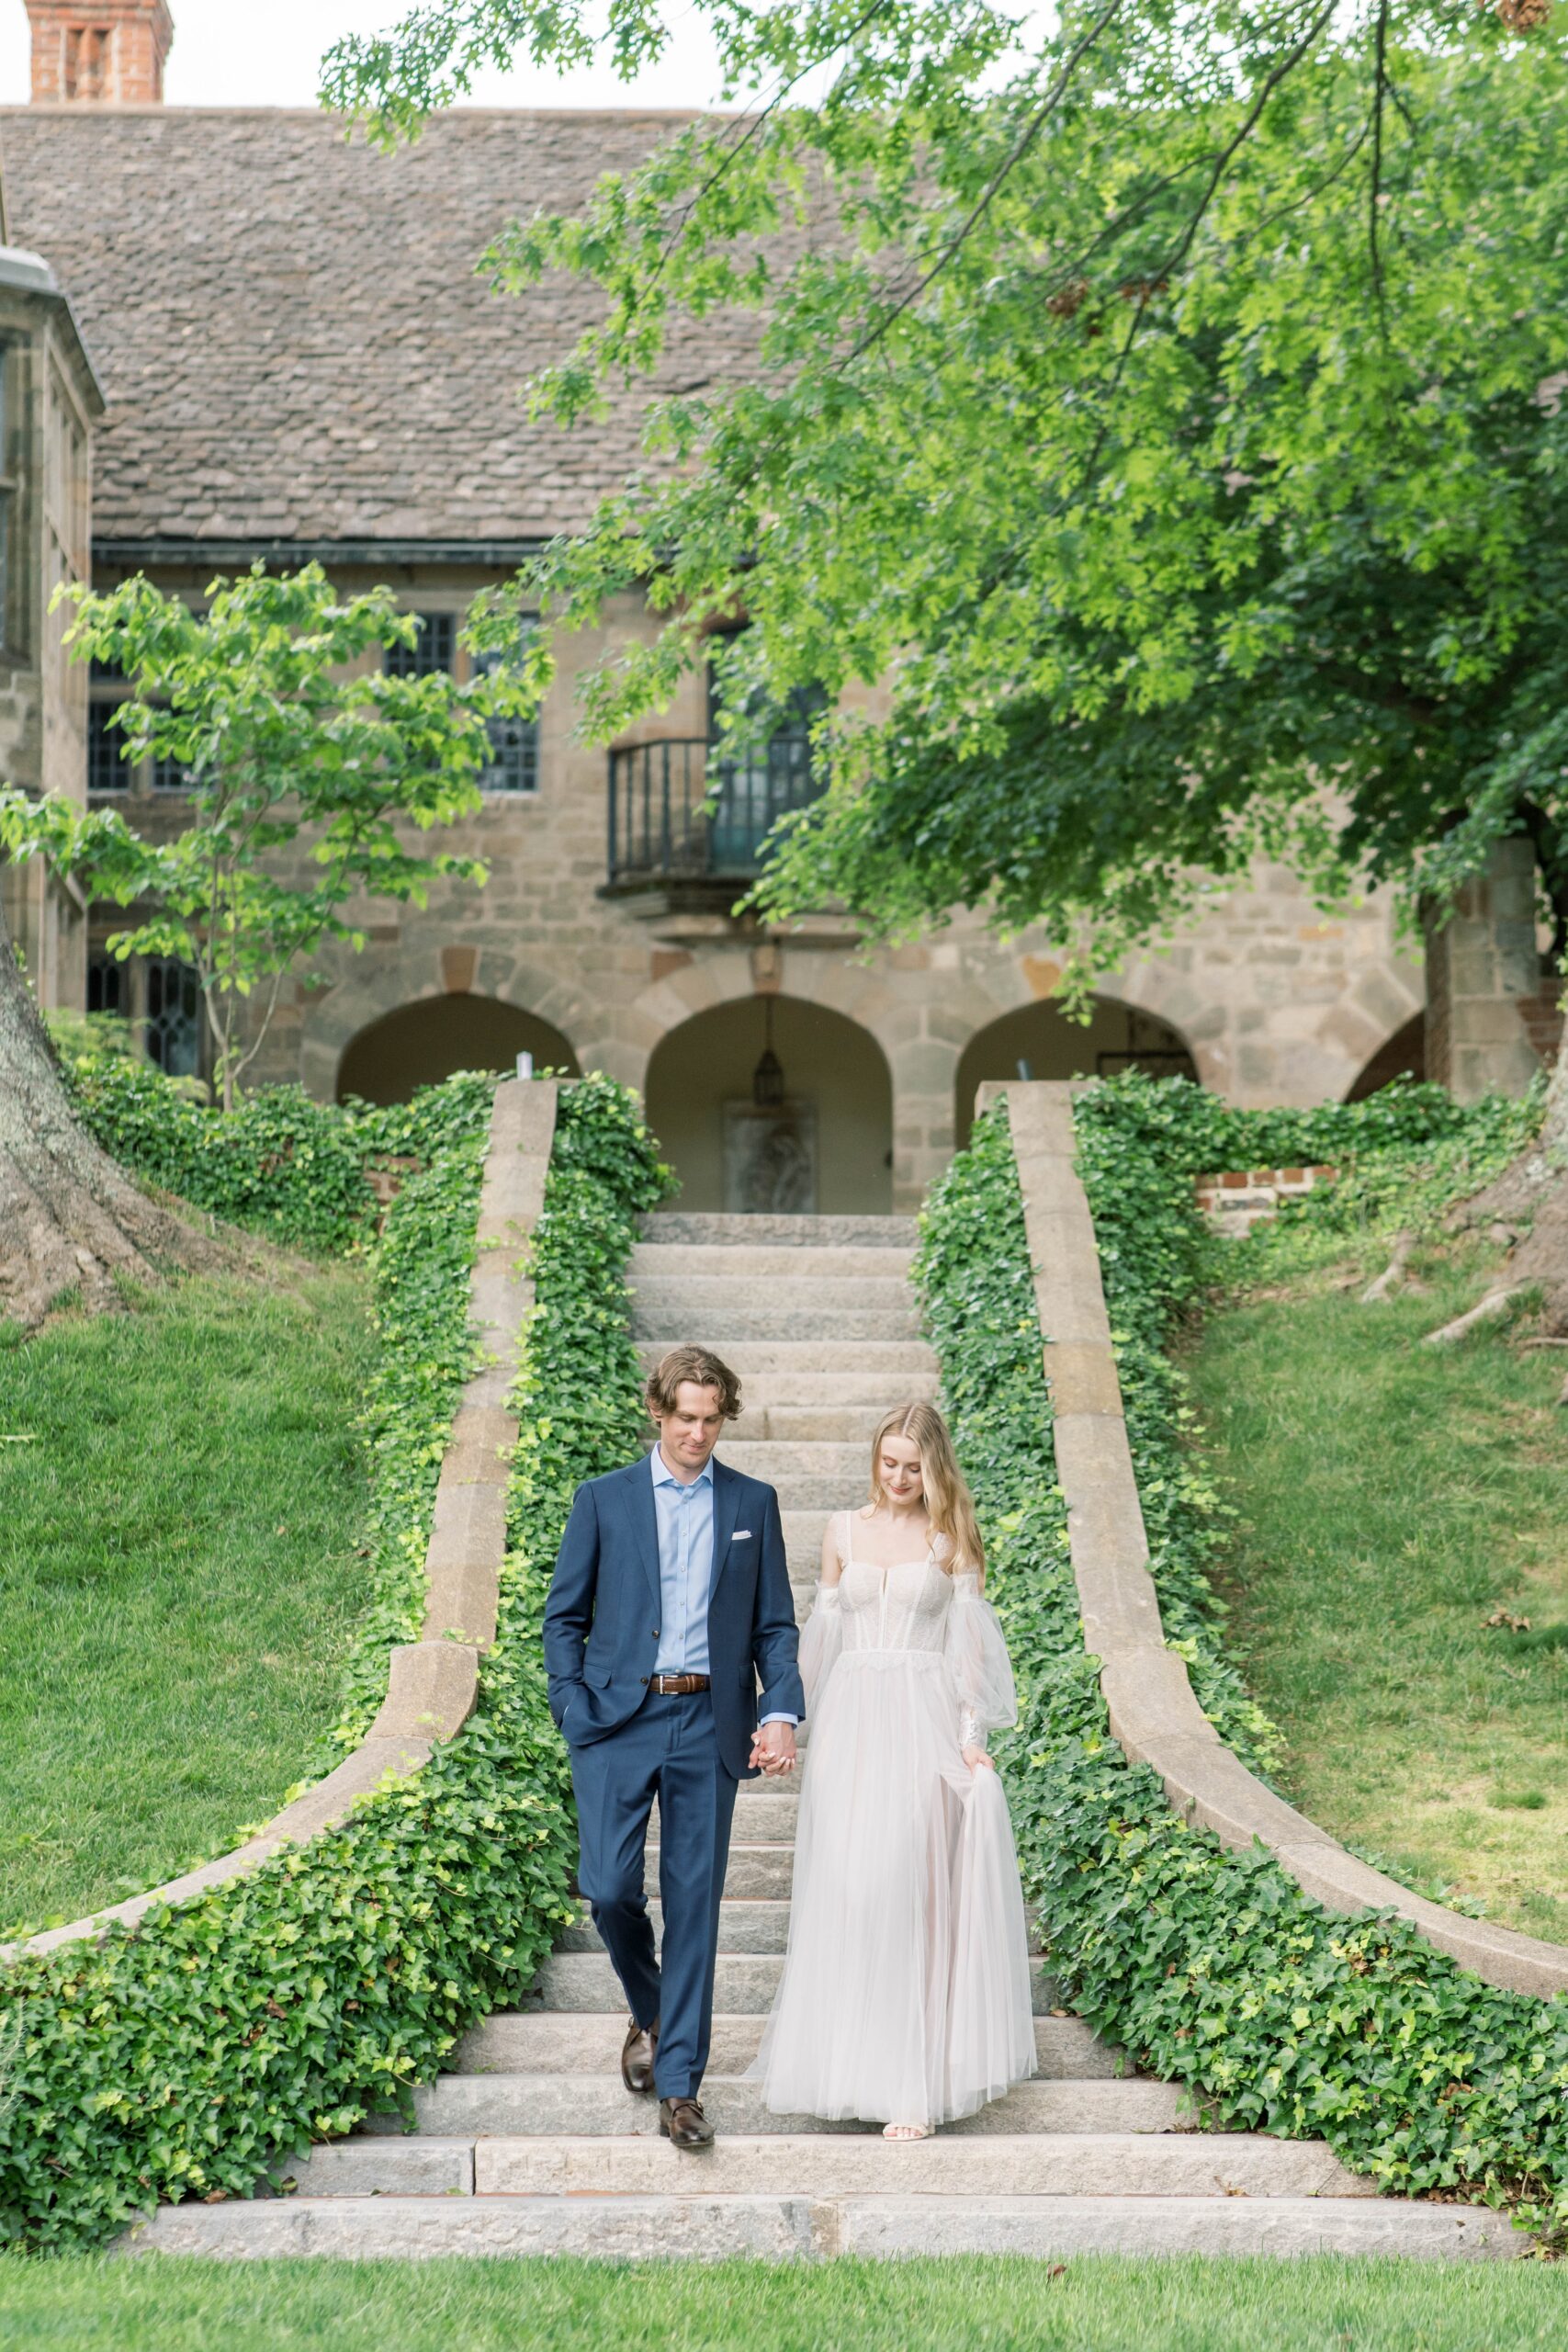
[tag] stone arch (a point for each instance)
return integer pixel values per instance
(700, 982)
(427, 1039)
(828, 1148)
(1118, 1037)
(1402, 1055)
(1384, 1008)
(360, 989)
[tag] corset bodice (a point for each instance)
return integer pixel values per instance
(903, 1607)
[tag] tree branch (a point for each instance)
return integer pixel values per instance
(1009, 163)
(1380, 93)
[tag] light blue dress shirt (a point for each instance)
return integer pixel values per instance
(683, 1510)
(685, 1513)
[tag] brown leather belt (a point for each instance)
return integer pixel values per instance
(679, 1685)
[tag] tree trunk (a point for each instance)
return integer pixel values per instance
(1533, 1195)
(70, 1219)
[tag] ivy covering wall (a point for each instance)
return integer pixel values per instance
(1211, 1967)
(194, 2053)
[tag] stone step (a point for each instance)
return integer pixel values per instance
(816, 1371)
(483, 2106)
(834, 1294)
(782, 1232)
(546, 2041)
(746, 1926)
(785, 1465)
(744, 1984)
(709, 2227)
(1051, 2228)
(673, 1322)
(752, 1261)
(757, 1925)
(792, 1424)
(968, 2164)
(770, 2227)
(765, 1871)
(770, 1817)
(832, 1491)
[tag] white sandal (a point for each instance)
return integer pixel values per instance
(909, 2130)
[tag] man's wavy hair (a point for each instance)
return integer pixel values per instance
(699, 1364)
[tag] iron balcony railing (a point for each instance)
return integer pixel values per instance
(679, 811)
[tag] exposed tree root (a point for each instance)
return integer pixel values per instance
(1393, 1273)
(1495, 1302)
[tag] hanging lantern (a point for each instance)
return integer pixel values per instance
(768, 1078)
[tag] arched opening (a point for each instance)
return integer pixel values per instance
(817, 1139)
(1404, 1055)
(418, 1043)
(1039, 1041)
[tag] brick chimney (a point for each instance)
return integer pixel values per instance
(99, 52)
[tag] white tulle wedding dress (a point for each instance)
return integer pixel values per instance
(905, 1996)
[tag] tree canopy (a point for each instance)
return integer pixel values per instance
(1154, 419)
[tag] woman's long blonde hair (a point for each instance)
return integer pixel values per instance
(950, 1506)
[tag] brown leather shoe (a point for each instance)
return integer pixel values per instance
(681, 2121)
(638, 2052)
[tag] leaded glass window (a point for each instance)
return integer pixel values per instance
(173, 1016)
(435, 647)
(108, 985)
(513, 762)
(108, 768)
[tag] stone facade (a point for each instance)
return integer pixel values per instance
(1274, 1000)
(1490, 1020)
(275, 389)
(48, 399)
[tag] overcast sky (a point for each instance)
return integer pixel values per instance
(266, 52)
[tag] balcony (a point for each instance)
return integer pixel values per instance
(687, 826)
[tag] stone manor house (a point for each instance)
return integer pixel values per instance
(230, 333)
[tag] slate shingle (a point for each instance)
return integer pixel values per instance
(290, 331)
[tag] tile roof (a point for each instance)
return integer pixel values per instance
(288, 329)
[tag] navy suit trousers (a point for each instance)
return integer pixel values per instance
(667, 1749)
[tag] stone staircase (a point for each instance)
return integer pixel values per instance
(533, 2146)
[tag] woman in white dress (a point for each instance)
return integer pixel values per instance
(905, 1997)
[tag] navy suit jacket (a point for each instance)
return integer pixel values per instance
(603, 1617)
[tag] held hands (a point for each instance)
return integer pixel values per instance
(977, 1760)
(772, 1747)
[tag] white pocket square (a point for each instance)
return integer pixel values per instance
(742, 1536)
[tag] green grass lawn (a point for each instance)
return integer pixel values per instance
(1392, 1497)
(1101, 2304)
(177, 1575)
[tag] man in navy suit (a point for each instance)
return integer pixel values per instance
(670, 1603)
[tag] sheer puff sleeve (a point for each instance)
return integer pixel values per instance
(982, 1672)
(822, 1639)
(822, 1636)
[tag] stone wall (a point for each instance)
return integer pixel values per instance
(1235, 1199)
(48, 401)
(1492, 1014)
